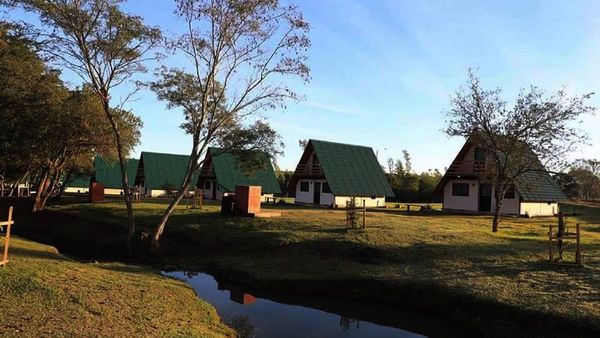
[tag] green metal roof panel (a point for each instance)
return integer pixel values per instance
(109, 173)
(161, 169)
(538, 186)
(228, 173)
(79, 182)
(351, 170)
(536, 183)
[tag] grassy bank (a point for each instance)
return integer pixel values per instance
(45, 294)
(496, 283)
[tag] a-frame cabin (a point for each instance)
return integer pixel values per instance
(330, 174)
(464, 187)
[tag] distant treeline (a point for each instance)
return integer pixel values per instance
(581, 180)
(407, 185)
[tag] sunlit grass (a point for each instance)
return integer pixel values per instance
(46, 294)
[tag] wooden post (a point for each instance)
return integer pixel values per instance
(364, 217)
(560, 234)
(550, 243)
(407, 208)
(578, 252)
(7, 238)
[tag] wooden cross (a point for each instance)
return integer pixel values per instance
(7, 237)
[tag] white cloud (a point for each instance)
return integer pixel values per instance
(331, 108)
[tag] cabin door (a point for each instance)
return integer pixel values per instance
(213, 185)
(485, 197)
(317, 193)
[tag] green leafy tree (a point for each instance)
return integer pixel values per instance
(26, 82)
(239, 51)
(77, 132)
(409, 186)
(105, 47)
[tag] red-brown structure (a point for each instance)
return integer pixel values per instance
(96, 192)
(247, 199)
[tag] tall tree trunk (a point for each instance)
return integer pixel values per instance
(41, 190)
(185, 186)
(2, 183)
(499, 196)
(123, 163)
(51, 187)
(193, 166)
(64, 185)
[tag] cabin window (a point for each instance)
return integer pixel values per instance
(510, 193)
(207, 185)
(460, 189)
(326, 188)
(479, 154)
(304, 186)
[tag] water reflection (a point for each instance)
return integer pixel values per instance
(345, 323)
(242, 325)
(257, 314)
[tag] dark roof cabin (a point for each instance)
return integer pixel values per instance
(328, 173)
(464, 186)
(109, 173)
(158, 170)
(221, 172)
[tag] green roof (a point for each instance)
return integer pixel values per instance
(161, 169)
(538, 186)
(228, 173)
(535, 185)
(79, 181)
(351, 170)
(109, 173)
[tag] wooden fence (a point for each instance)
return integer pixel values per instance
(8, 225)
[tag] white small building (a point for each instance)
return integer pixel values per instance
(465, 189)
(332, 173)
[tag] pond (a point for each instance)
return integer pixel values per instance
(266, 315)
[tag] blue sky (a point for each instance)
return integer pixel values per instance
(383, 71)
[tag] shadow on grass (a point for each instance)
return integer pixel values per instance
(20, 252)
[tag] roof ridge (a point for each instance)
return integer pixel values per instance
(339, 143)
(157, 153)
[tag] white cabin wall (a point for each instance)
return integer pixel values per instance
(465, 203)
(534, 209)
(77, 190)
(340, 201)
(304, 196)
(112, 191)
(510, 206)
(307, 197)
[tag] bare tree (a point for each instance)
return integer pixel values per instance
(533, 135)
(105, 47)
(237, 51)
(302, 143)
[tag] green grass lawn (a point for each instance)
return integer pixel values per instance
(449, 263)
(45, 294)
